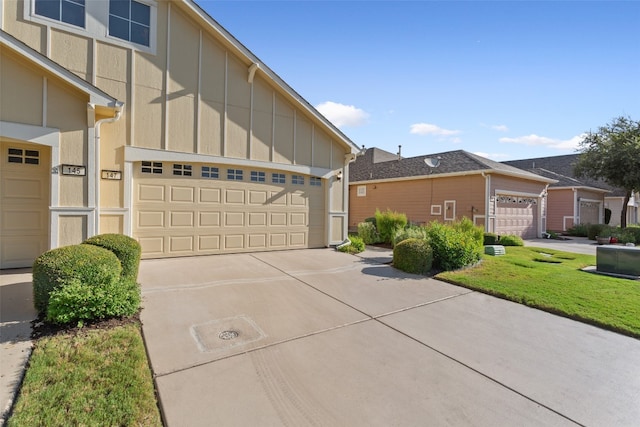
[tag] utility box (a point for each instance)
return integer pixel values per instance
(618, 260)
(494, 250)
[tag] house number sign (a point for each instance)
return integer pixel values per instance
(115, 175)
(74, 170)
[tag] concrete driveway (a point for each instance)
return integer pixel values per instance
(317, 337)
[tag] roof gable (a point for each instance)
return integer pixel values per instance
(96, 96)
(458, 162)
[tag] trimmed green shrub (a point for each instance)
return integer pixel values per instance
(490, 239)
(388, 222)
(368, 233)
(74, 300)
(356, 246)
(456, 245)
(86, 263)
(579, 230)
(126, 248)
(626, 236)
(412, 232)
(511, 240)
(635, 231)
(594, 230)
(413, 256)
(372, 220)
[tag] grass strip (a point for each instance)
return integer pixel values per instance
(97, 377)
(552, 281)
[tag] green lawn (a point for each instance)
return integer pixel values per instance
(97, 377)
(552, 281)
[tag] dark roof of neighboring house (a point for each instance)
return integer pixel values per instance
(376, 164)
(561, 168)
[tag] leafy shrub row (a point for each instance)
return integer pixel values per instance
(456, 245)
(510, 240)
(368, 233)
(88, 281)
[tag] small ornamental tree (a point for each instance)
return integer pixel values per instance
(613, 155)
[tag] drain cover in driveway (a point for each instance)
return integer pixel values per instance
(222, 334)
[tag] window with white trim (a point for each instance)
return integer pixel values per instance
(235, 174)
(278, 178)
(257, 176)
(314, 181)
(67, 11)
(130, 20)
(210, 172)
(297, 179)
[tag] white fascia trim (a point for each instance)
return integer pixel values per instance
(138, 154)
(194, 8)
(516, 193)
(96, 96)
(591, 200)
(599, 190)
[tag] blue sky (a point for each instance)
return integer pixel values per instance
(504, 79)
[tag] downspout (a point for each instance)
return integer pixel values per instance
(487, 199)
(119, 108)
(544, 210)
(575, 207)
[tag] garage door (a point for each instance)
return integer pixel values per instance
(589, 213)
(199, 209)
(24, 201)
(516, 215)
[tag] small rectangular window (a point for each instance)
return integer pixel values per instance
(257, 176)
(130, 20)
(234, 174)
(182, 170)
(210, 172)
(152, 167)
(314, 181)
(297, 179)
(278, 178)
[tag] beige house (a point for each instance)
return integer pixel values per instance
(148, 118)
(575, 200)
(447, 187)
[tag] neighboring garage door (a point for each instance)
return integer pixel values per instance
(590, 213)
(24, 202)
(516, 215)
(199, 209)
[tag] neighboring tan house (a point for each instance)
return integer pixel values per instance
(575, 200)
(147, 118)
(446, 187)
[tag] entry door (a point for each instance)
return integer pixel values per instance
(24, 201)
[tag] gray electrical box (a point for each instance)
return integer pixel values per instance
(618, 260)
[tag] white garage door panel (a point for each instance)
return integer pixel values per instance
(589, 213)
(516, 215)
(184, 216)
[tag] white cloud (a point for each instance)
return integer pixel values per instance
(343, 115)
(500, 128)
(455, 140)
(429, 129)
(536, 140)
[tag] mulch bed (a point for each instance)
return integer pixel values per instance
(42, 328)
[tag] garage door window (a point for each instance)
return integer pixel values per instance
(210, 172)
(234, 174)
(30, 157)
(257, 176)
(278, 178)
(182, 170)
(297, 179)
(152, 167)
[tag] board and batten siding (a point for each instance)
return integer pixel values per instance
(194, 93)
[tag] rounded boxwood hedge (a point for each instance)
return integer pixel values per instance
(413, 256)
(86, 263)
(511, 240)
(490, 239)
(127, 250)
